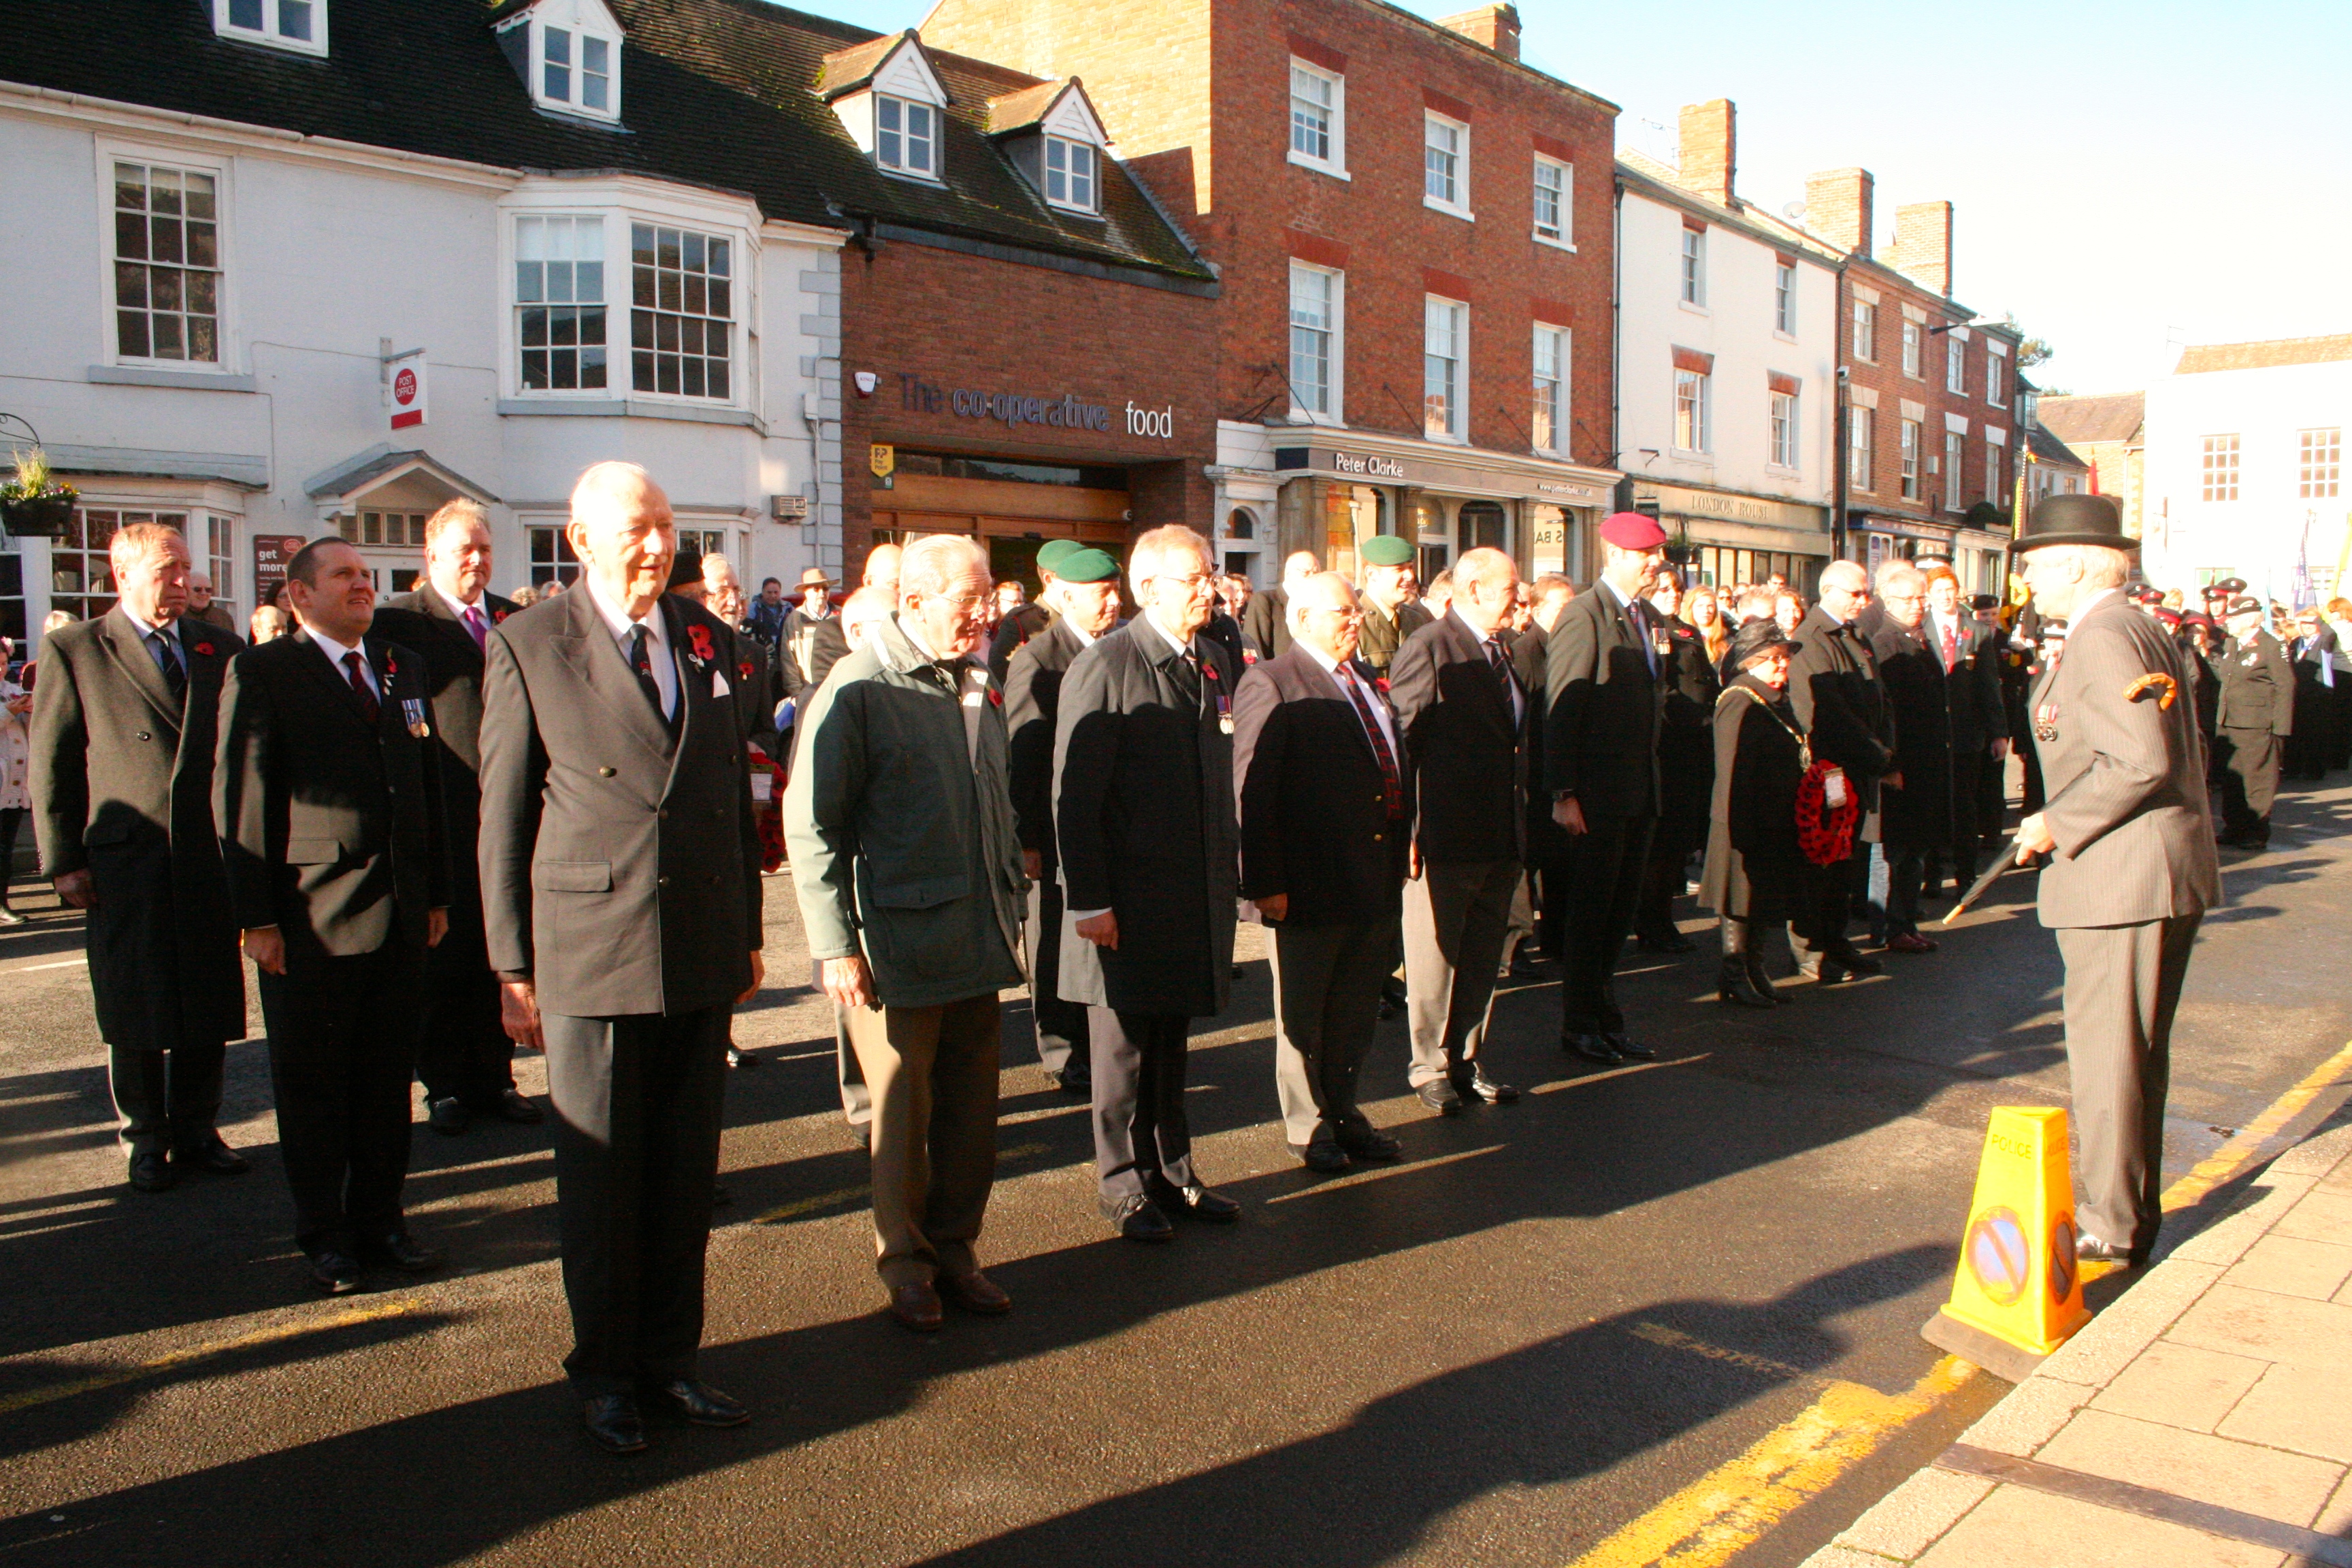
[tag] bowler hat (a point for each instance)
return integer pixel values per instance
(2076, 520)
(1757, 638)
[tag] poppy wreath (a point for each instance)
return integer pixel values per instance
(1824, 831)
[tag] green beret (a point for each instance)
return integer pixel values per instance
(1084, 565)
(1054, 551)
(1387, 549)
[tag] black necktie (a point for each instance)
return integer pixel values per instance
(175, 675)
(1187, 671)
(641, 660)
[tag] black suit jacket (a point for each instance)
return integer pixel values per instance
(1311, 798)
(1468, 747)
(428, 621)
(1600, 731)
(1033, 692)
(620, 865)
(1265, 622)
(333, 829)
(1834, 690)
(1026, 621)
(1978, 715)
(1143, 814)
(2257, 686)
(121, 780)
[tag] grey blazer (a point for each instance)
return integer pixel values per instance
(2125, 776)
(620, 866)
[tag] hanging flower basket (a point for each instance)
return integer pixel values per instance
(34, 503)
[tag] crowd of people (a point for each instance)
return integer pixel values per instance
(454, 823)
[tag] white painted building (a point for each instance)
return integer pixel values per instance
(1726, 365)
(2244, 468)
(234, 246)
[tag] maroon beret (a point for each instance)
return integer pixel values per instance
(1633, 530)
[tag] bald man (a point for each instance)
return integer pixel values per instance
(621, 888)
(1266, 623)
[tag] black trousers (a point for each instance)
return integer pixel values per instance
(1138, 1100)
(463, 1052)
(12, 821)
(2249, 762)
(637, 1102)
(343, 1047)
(1605, 866)
(1664, 873)
(168, 1100)
(1822, 928)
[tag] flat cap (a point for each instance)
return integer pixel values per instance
(1085, 564)
(1387, 549)
(1633, 530)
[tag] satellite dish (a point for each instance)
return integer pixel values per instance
(1794, 212)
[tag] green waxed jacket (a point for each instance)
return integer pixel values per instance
(902, 845)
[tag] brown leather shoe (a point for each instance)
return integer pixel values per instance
(917, 1305)
(974, 1292)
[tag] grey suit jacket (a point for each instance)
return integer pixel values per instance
(2125, 776)
(620, 867)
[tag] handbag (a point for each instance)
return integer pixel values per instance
(1824, 831)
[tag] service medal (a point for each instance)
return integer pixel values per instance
(414, 709)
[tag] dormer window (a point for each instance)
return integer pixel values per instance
(568, 52)
(1070, 174)
(297, 25)
(906, 136)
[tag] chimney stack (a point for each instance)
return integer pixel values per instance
(1923, 244)
(1838, 208)
(1496, 26)
(1709, 150)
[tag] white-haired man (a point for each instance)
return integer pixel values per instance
(908, 870)
(1143, 816)
(620, 865)
(2133, 869)
(1266, 625)
(125, 718)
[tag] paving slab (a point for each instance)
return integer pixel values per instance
(2015, 1528)
(2296, 1409)
(2290, 1488)
(2180, 1385)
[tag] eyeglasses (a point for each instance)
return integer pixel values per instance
(963, 604)
(1352, 616)
(1191, 584)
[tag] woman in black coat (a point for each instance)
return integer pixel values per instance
(1757, 876)
(1686, 769)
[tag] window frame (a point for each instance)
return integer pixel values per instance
(2219, 469)
(1564, 236)
(225, 344)
(1335, 342)
(1690, 268)
(1911, 466)
(1862, 441)
(1914, 349)
(1563, 343)
(737, 316)
(1956, 365)
(517, 305)
(1784, 428)
(1996, 363)
(575, 66)
(903, 169)
(269, 35)
(1335, 163)
(1784, 299)
(2319, 463)
(1456, 427)
(1994, 493)
(1956, 457)
(1695, 382)
(560, 564)
(1092, 205)
(1458, 205)
(1863, 331)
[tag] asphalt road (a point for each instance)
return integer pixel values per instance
(1548, 1318)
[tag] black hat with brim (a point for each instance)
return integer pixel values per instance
(2076, 519)
(1758, 638)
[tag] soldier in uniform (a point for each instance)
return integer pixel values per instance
(1028, 619)
(2256, 715)
(1390, 611)
(2132, 870)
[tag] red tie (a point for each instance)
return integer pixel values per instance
(360, 688)
(1391, 780)
(1951, 648)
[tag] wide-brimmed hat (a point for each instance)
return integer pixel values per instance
(1759, 637)
(2076, 519)
(814, 578)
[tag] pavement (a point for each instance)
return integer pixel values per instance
(2203, 1420)
(1662, 1313)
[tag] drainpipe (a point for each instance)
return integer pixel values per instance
(1839, 434)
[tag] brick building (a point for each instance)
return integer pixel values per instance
(2106, 431)
(1929, 420)
(1028, 345)
(1412, 229)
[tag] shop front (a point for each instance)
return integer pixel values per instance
(1309, 488)
(1725, 539)
(1980, 557)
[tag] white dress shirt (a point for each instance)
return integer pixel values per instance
(1348, 680)
(657, 654)
(150, 631)
(335, 652)
(1510, 677)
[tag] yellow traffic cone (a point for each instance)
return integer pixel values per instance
(2018, 1293)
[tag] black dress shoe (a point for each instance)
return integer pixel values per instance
(1674, 942)
(335, 1273)
(1591, 1048)
(1854, 963)
(736, 1059)
(698, 1403)
(1525, 967)
(152, 1174)
(2089, 1248)
(1479, 1087)
(1442, 1097)
(1140, 1219)
(1626, 1046)
(212, 1155)
(406, 1253)
(513, 1105)
(1194, 1200)
(1322, 1155)
(616, 1423)
(448, 1116)
(1369, 1144)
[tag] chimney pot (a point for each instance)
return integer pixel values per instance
(1838, 208)
(1496, 26)
(1709, 149)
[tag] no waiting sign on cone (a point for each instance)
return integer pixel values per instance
(2017, 1294)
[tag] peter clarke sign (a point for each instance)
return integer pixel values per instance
(1011, 409)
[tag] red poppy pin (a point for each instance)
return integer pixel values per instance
(497, 615)
(1208, 669)
(698, 638)
(995, 698)
(205, 648)
(744, 669)
(1382, 682)
(391, 665)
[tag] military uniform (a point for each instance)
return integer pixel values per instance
(2255, 716)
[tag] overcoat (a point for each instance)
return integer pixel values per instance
(2257, 686)
(1685, 740)
(1143, 814)
(1033, 693)
(1756, 870)
(1601, 729)
(1311, 799)
(1834, 690)
(122, 787)
(1466, 745)
(1923, 813)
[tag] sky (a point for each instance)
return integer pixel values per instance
(2127, 177)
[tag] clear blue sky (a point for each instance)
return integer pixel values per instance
(2128, 176)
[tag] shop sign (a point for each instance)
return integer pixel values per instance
(405, 388)
(1754, 511)
(1009, 409)
(1548, 550)
(883, 460)
(1367, 465)
(271, 552)
(1340, 463)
